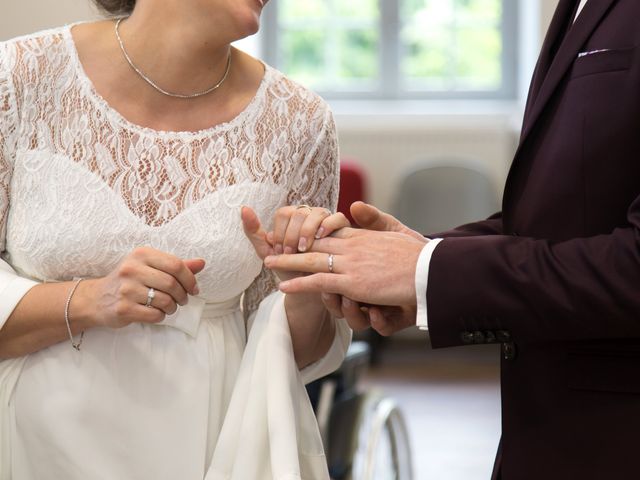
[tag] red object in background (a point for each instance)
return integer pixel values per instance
(353, 186)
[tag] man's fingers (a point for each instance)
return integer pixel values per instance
(333, 304)
(353, 314)
(312, 262)
(381, 324)
(369, 217)
(316, 283)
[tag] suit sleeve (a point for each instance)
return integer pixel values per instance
(490, 226)
(537, 290)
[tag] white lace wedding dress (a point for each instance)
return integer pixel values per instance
(211, 393)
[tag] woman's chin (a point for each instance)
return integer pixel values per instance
(249, 25)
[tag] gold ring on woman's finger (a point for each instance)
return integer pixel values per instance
(304, 206)
(151, 294)
(330, 262)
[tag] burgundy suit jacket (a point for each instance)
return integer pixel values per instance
(555, 277)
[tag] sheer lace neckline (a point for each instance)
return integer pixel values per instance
(90, 91)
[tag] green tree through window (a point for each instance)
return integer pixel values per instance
(403, 48)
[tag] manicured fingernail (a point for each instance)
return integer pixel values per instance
(284, 285)
(278, 249)
(302, 244)
(325, 296)
(347, 302)
(288, 250)
(196, 290)
(319, 232)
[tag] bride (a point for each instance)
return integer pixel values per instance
(141, 338)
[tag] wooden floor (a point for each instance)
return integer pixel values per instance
(451, 401)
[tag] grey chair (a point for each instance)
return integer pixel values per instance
(436, 195)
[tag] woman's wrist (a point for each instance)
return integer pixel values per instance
(83, 313)
(312, 327)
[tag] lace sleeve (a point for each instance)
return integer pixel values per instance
(12, 286)
(8, 122)
(315, 183)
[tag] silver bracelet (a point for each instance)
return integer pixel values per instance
(66, 317)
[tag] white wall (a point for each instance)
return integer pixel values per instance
(386, 139)
(19, 17)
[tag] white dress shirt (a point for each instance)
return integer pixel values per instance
(424, 260)
(580, 7)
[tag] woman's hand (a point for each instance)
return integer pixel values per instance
(120, 298)
(295, 230)
(296, 227)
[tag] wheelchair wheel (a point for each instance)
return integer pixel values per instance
(369, 440)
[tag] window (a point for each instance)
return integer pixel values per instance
(395, 48)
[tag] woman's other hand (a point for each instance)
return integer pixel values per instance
(121, 297)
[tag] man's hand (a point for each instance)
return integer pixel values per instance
(370, 267)
(384, 320)
(369, 217)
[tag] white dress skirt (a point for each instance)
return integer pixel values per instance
(117, 409)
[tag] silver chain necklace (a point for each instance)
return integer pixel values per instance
(155, 86)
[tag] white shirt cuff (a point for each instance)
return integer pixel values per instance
(422, 278)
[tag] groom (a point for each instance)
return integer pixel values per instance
(554, 278)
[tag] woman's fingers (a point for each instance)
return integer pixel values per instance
(171, 265)
(292, 234)
(332, 223)
(196, 265)
(281, 222)
(160, 300)
(312, 224)
(141, 314)
(163, 282)
(255, 233)
(296, 228)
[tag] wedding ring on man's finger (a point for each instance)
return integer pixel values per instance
(330, 262)
(151, 294)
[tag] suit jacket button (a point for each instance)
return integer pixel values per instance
(489, 337)
(478, 337)
(503, 336)
(508, 351)
(466, 337)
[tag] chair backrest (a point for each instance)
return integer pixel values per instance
(353, 186)
(437, 195)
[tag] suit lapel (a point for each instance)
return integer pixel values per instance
(579, 33)
(557, 29)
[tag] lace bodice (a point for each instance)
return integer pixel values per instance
(80, 186)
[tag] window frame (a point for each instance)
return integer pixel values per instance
(389, 86)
